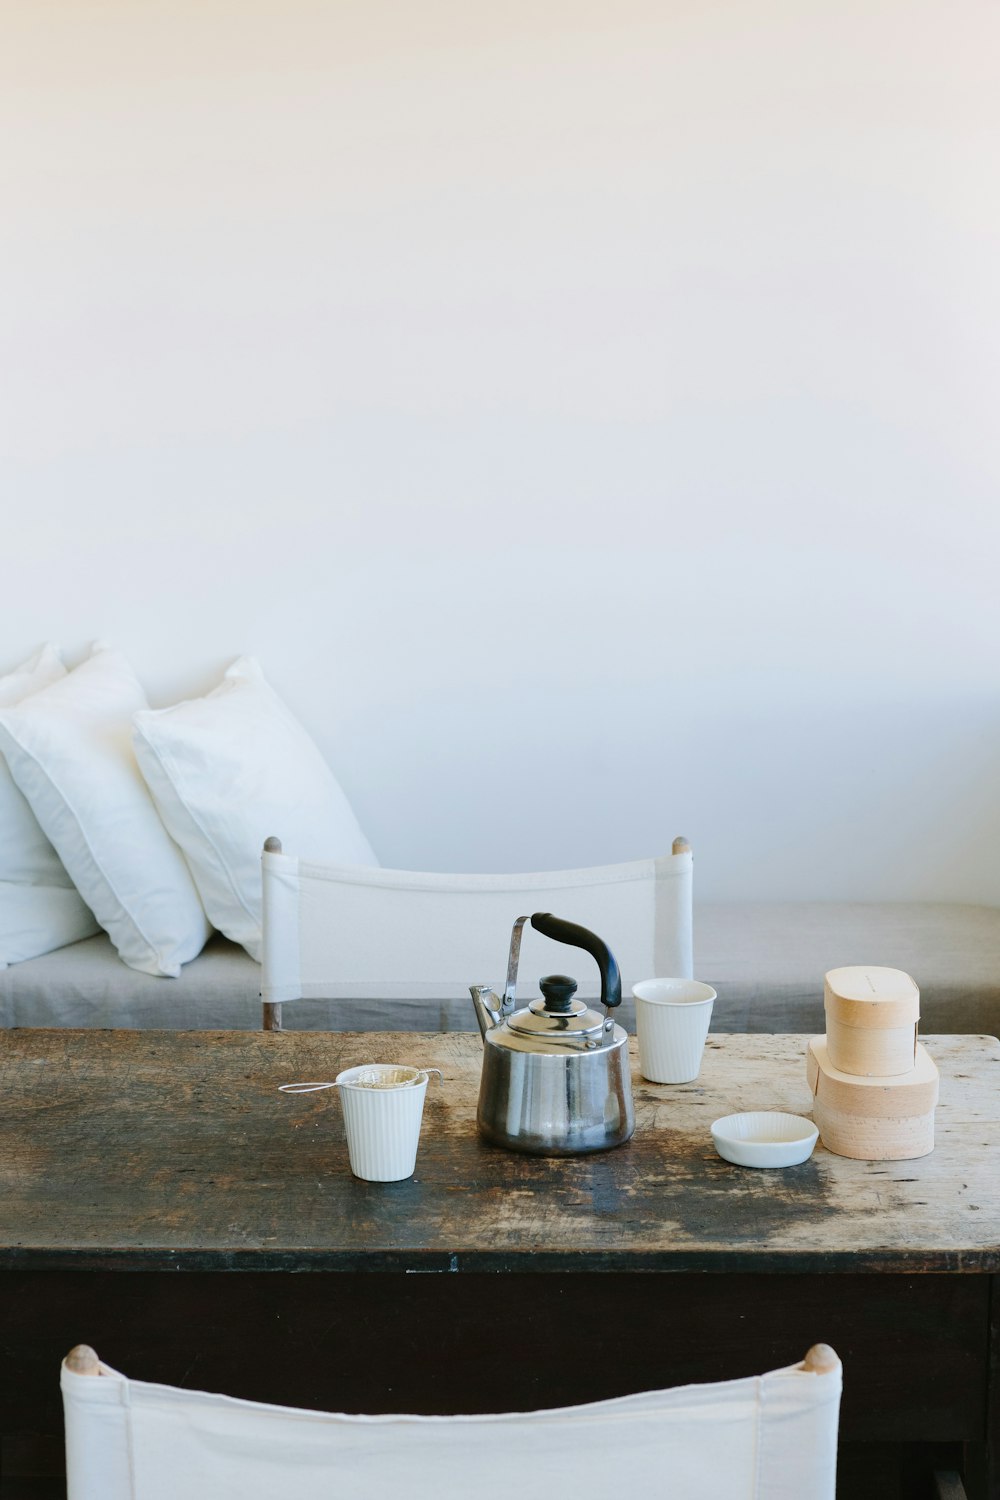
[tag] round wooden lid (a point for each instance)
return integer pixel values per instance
(869, 995)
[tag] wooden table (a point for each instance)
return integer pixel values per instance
(172, 1157)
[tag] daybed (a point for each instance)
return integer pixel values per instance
(766, 959)
(134, 807)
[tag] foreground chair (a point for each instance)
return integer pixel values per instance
(771, 1437)
(341, 932)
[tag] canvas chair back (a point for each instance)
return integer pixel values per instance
(344, 932)
(770, 1437)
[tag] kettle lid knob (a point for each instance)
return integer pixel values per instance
(558, 991)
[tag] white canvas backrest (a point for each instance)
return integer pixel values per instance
(771, 1437)
(344, 932)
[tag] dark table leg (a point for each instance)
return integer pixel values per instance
(991, 1455)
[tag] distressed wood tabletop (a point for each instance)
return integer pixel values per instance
(155, 1150)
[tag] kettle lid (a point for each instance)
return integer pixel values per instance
(557, 1015)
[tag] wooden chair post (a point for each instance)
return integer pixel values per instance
(680, 845)
(272, 1009)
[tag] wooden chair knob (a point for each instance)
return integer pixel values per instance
(83, 1361)
(820, 1360)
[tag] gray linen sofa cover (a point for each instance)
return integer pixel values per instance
(766, 959)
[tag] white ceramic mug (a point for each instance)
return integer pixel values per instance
(671, 1019)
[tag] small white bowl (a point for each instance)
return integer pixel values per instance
(764, 1139)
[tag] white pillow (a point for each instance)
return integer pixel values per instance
(69, 750)
(227, 771)
(39, 906)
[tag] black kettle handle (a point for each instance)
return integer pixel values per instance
(581, 937)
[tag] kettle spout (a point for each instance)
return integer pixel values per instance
(487, 1007)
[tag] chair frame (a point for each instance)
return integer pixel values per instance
(272, 1010)
(821, 1359)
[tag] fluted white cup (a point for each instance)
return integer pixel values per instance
(382, 1122)
(671, 1019)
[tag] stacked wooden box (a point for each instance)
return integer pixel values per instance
(874, 1086)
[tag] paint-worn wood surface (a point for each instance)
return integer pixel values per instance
(165, 1150)
(157, 1153)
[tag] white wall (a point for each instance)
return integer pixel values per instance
(586, 411)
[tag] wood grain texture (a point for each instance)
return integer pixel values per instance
(869, 1052)
(157, 1150)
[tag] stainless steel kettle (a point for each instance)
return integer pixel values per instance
(556, 1078)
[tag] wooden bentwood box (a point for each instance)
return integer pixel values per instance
(872, 1016)
(874, 1087)
(873, 1119)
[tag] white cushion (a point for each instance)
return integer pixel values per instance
(69, 750)
(39, 907)
(228, 770)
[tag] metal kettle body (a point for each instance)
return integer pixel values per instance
(556, 1078)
